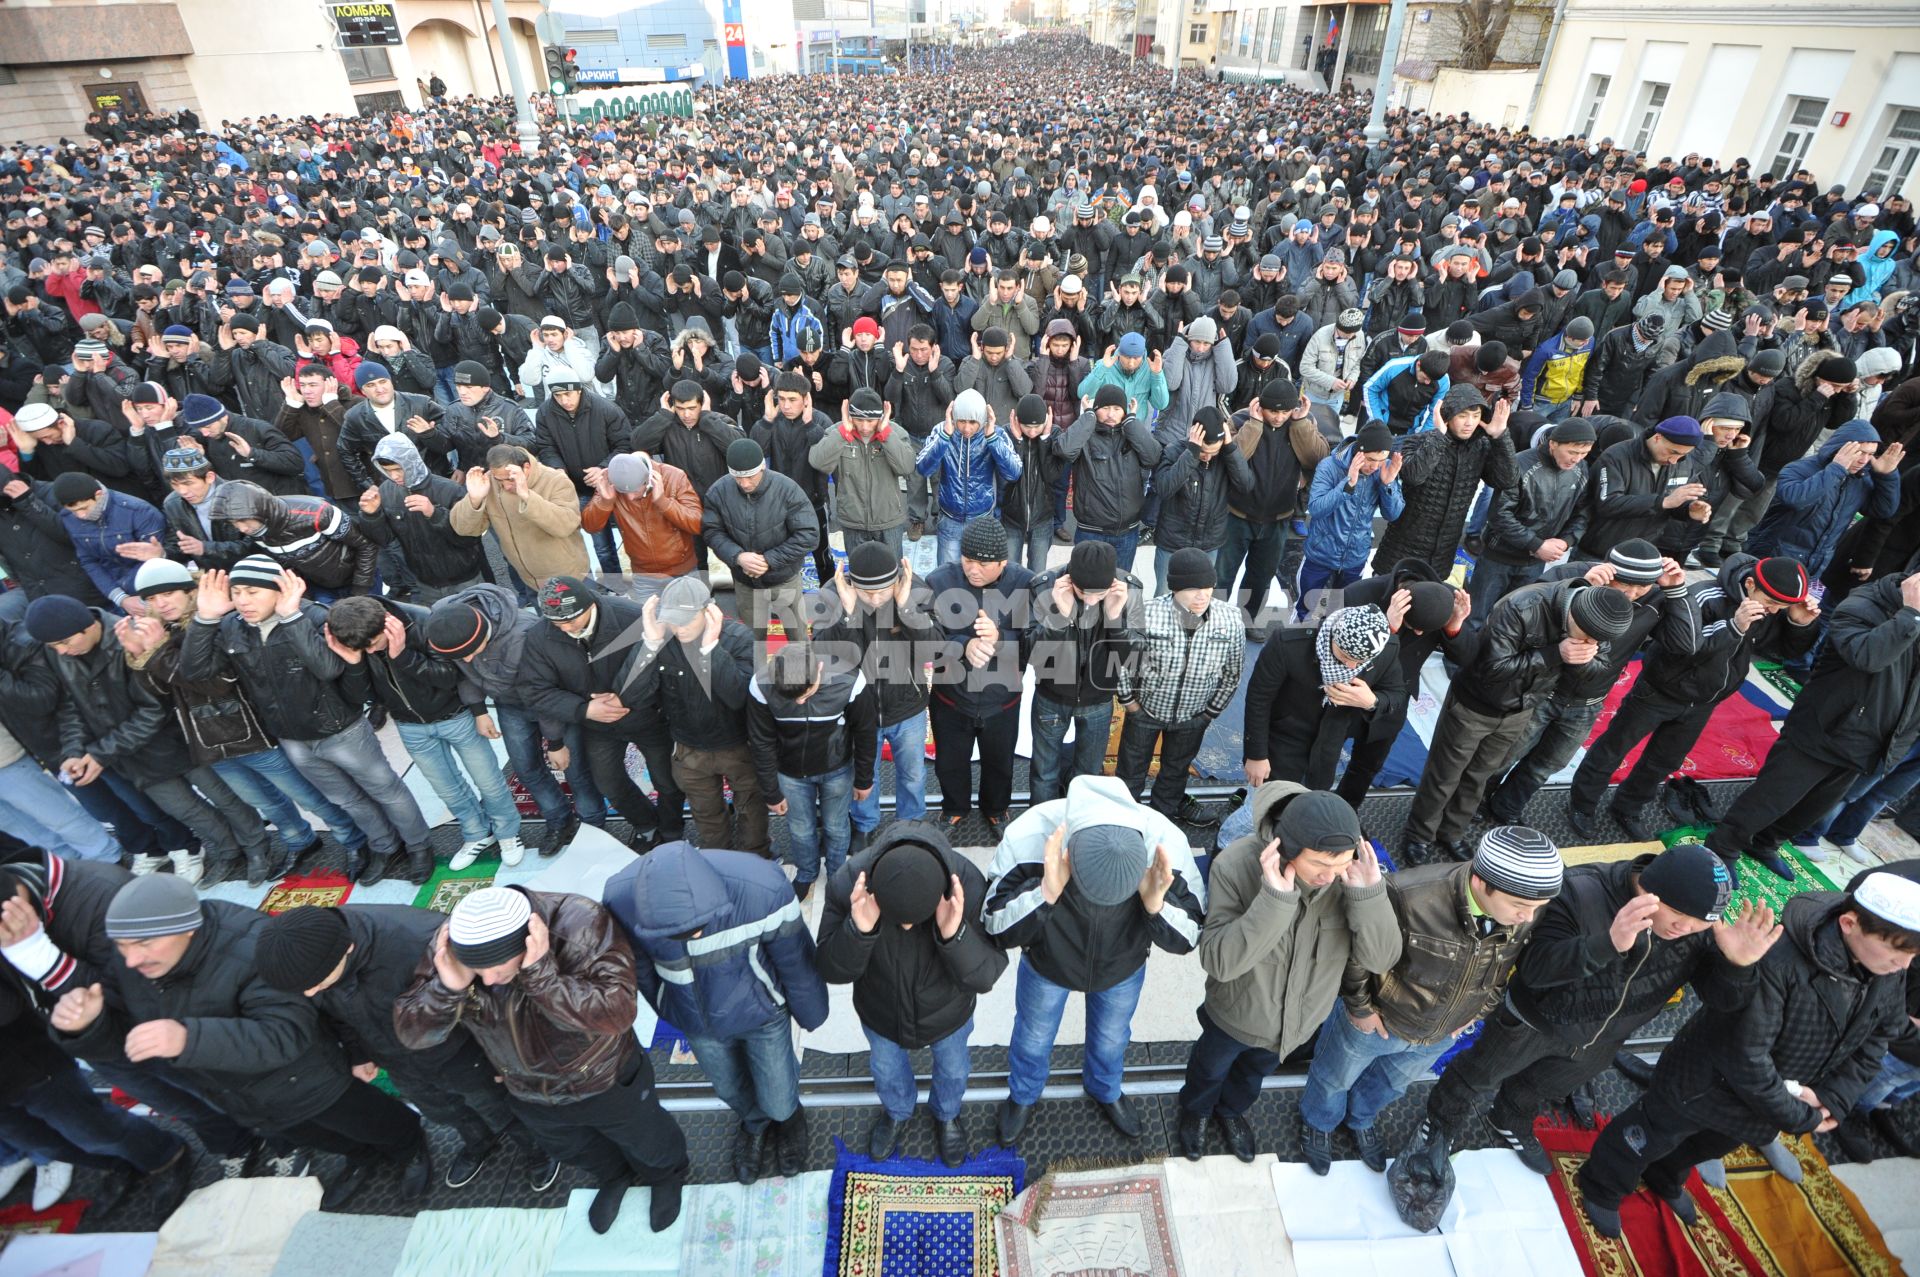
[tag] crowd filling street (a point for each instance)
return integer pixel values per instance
(616, 454)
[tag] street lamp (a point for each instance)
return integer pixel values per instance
(1383, 86)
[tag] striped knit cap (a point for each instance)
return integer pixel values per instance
(156, 905)
(1520, 861)
(1636, 562)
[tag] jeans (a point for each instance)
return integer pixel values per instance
(40, 810)
(1260, 546)
(349, 768)
(434, 747)
(520, 733)
(756, 1074)
(1355, 1074)
(1037, 1006)
(1558, 728)
(1029, 546)
(894, 538)
(947, 536)
(898, 1089)
(605, 548)
(154, 1084)
(1316, 581)
(227, 827)
(443, 391)
(817, 806)
(136, 824)
(1048, 777)
(1864, 801)
(1493, 581)
(1477, 517)
(1897, 1080)
(65, 1105)
(1125, 544)
(909, 740)
(1179, 745)
(274, 785)
(1223, 1073)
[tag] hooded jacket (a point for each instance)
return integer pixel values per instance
(1275, 959)
(1683, 387)
(1715, 665)
(495, 670)
(1617, 371)
(1816, 499)
(311, 536)
(1378, 409)
(1862, 707)
(752, 963)
(1554, 372)
(1813, 1015)
(1074, 942)
(910, 985)
(1799, 413)
(438, 555)
(559, 1031)
(1439, 476)
(970, 469)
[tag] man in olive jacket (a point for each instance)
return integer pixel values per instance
(1461, 927)
(901, 927)
(1293, 903)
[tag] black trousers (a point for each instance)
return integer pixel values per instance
(1669, 727)
(620, 1133)
(955, 733)
(1792, 790)
(365, 1122)
(1178, 746)
(1655, 1141)
(607, 763)
(1363, 764)
(1516, 1069)
(1223, 1073)
(461, 1094)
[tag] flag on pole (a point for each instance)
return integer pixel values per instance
(1333, 29)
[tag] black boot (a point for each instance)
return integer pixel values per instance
(1634, 1069)
(790, 1144)
(419, 864)
(371, 869)
(557, 840)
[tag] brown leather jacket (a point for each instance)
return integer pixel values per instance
(1449, 975)
(561, 1030)
(658, 531)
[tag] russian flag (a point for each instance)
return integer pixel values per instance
(1333, 29)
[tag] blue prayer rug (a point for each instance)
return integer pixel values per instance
(906, 1218)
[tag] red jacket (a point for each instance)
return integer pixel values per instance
(67, 288)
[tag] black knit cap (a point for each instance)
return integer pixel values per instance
(871, 566)
(1432, 606)
(1318, 821)
(984, 540)
(1782, 579)
(908, 882)
(298, 949)
(563, 598)
(1092, 566)
(456, 628)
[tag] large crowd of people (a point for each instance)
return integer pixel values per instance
(317, 426)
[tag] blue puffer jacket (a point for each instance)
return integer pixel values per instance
(1340, 523)
(752, 962)
(971, 469)
(1816, 500)
(1375, 393)
(125, 520)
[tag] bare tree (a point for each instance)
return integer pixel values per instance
(1480, 27)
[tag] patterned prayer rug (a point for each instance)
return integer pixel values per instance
(1080, 1222)
(1653, 1242)
(774, 1226)
(447, 887)
(1758, 884)
(1815, 1228)
(22, 1220)
(324, 888)
(908, 1218)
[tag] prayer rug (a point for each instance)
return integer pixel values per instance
(629, 1249)
(80, 1255)
(325, 1244)
(1080, 1222)
(496, 1241)
(907, 1218)
(1653, 1242)
(1816, 1228)
(774, 1226)
(325, 888)
(447, 887)
(23, 1220)
(1759, 884)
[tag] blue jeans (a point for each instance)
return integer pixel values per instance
(947, 535)
(1477, 517)
(1492, 582)
(756, 1074)
(1356, 1074)
(893, 1075)
(1896, 1081)
(604, 547)
(434, 746)
(1316, 578)
(1037, 1006)
(909, 740)
(1124, 545)
(40, 810)
(153, 832)
(63, 1110)
(1864, 800)
(1029, 546)
(818, 806)
(443, 391)
(520, 733)
(1260, 546)
(271, 784)
(1047, 777)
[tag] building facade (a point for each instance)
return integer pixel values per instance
(1832, 87)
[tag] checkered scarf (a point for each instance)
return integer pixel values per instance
(1359, 632)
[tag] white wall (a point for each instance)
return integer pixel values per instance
(1728, 73)
(251, 59)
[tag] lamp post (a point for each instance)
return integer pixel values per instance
(1389, 55)
(523, 125)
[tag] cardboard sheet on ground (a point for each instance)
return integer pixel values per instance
(1230, 1225)
(78, 1255)
(1889, 1192)
(1502, 1219)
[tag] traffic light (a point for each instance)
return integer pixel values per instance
(561, 70)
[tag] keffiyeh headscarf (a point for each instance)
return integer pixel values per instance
(1360, 632)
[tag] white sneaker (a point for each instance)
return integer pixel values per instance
(50, 1184)
(511, 851)
(144, 865)
(188, 865)
(12, 1173)
(470, 852)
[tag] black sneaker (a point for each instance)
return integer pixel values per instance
(1238, 1133)
(1194, 812)
(557, 840)
(1191, 1136)
(346, 1185)
(257, 868)
(1581, 821)
(467, 1163)
(1709, 558)
(1372, 1151)
(1524, 1144)
(1316, 1146)
(542, 1172)
(790, 1144)
(1633, 822)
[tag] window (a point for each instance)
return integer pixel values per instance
(367, 64)
(1796, 135)
(1274, 51)
(1250, 43)
(1653, 100)
(663, 43)
(1260, 34)
(1226, 32)
(1894, 158)
(1197, 33)
(1597, 86)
